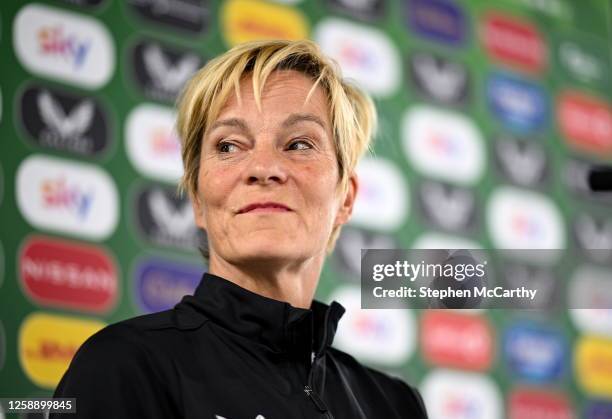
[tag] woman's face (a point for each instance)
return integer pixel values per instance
(267, 184)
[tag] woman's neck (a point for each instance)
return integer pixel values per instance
(294, 283)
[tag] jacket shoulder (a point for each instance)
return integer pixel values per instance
(137, 336)
(117, 367)
(179, 317)
(117, 345)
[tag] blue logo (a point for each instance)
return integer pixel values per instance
(535, 353)
(520, 105)
(438, 20)
(161, 284)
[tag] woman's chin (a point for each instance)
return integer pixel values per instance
(268, 251)
(272, 250)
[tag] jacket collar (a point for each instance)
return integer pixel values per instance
(276, 324)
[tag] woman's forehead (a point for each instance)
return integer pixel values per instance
(283, 88)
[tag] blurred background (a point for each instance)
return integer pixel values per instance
(491, 115)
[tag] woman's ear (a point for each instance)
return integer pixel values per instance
(198, 212)
(346, 206)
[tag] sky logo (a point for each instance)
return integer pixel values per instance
(520, 105)
(452, 394)
(54, 41)
(525, 226)
(534, 353)
(386, 337)
(521, 219)
(57, 194)
(164, 141)
(443, 145)
(63, 45)
(461, 407)
(152, 143)
(364, 54)
(357, 57)
(383, 201)
(370, 327)
(66, 196)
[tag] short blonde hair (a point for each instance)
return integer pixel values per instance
(353, 114)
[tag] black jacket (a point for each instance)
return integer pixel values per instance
(226, 352)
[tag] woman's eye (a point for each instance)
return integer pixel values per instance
(304, 145)
(225, 147)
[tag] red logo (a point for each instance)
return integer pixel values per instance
(48, 350)
(515, 43)
(538, 404)
(68, 274)
(585, 122)
(456, 340)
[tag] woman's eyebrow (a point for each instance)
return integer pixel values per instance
(294, 118)
(231, 122)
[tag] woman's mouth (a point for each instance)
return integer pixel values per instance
(264, 207)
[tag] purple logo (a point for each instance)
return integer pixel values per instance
(438, 20)
(161, 284)
(599, 410)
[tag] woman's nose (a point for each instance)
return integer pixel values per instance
(266, 165)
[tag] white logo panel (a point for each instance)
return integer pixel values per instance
(152, 143)
(63, 45)
(69, 197)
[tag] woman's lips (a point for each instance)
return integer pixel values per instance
(264, 207)
(268, 209)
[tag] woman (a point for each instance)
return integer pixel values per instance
(271, 136)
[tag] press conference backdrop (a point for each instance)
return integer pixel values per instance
(491, 115)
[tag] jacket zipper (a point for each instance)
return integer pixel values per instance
(312, 394)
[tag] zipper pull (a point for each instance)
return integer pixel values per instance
(315, 399)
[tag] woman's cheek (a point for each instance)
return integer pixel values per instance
(217, 182)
